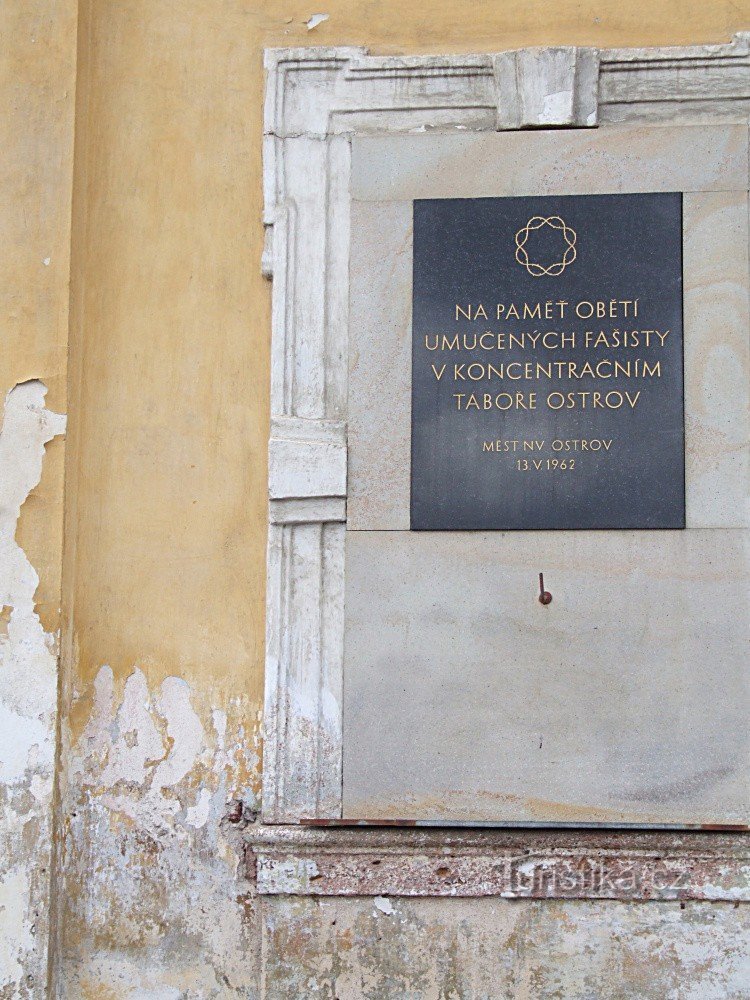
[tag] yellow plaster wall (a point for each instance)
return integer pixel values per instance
(170, 333)
(37, 84)
(165, 523)
(37, 97)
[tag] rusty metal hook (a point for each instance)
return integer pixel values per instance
(544, 595)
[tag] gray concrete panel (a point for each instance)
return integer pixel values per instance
(624, 701)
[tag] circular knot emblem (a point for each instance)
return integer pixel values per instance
(568, 245)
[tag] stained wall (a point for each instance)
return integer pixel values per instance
(132, 138)
(37, 94)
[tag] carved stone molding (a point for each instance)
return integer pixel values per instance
(545, 88)
(513, 864)
(316, 100)
(307, 470)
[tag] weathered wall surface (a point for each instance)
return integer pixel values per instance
(165, 520)
(28, 703)
(451, 949)
(153, 905)
(37, 90)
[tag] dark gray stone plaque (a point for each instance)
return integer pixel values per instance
(547, 363)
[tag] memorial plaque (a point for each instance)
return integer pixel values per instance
(547, 363)
(519, 303)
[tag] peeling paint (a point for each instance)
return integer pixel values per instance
(315, 20)
(17, 938)
(556, 107)
(501, 950)
(28, 701)
(148, 862)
